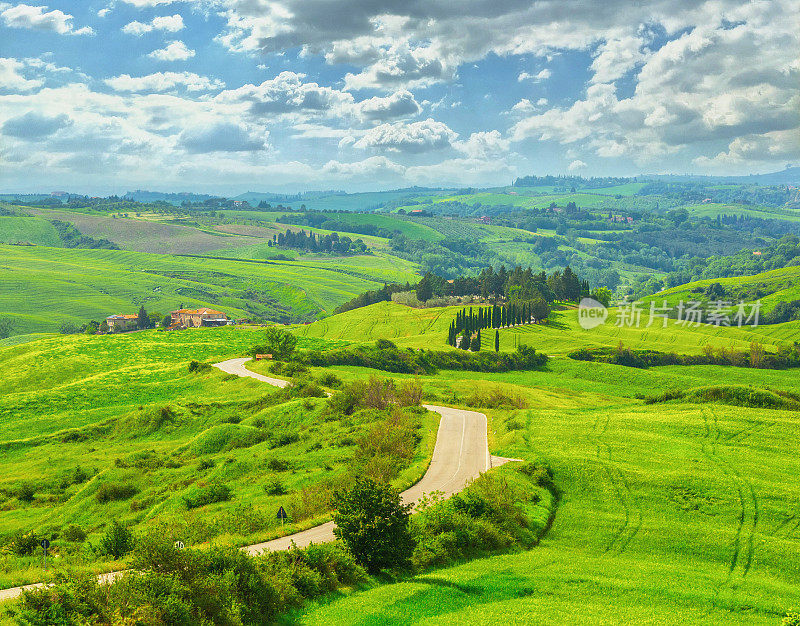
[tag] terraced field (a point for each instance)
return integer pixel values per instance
(44, 287)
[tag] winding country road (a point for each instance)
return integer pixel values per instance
(461, 453)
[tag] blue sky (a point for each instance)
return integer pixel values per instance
(226, 96)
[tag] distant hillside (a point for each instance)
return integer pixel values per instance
(778, 290)
(788, 176)
(173, 198)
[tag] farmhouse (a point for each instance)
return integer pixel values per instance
(194, 318)
(121, 323)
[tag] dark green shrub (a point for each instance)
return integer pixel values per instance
(207, 495)
(330, 380)
(278, 465)
(109, 492)
(274, 487)
(284, 439)
(25, 491)
(373, 522)
(22, 544)
(293, 368)
(74, 533)
(117, 541)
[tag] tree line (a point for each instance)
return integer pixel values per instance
(318, 243)
(517, 284)
(468, 323)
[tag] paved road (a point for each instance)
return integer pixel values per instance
(461, 453)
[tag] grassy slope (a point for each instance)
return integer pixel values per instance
(43, 287)
(672, 513)
(28, 230)
(781, 285)
(109, 392)
(146, 235)
(419, 328)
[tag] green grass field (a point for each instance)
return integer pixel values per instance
(427, 328)
(43, 287)
(671, 513)
(772, 287)
(126, 410)
(28, 230)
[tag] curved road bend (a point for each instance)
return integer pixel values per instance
(461, 453)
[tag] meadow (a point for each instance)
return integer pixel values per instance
(671, 513)
(427, 328)
(45, 287)
(119, 427)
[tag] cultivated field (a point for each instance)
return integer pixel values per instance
(44, 287)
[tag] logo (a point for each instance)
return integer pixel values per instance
(591, 313)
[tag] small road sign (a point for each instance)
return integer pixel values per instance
(45, 543)
(179, 545)
(282, 514)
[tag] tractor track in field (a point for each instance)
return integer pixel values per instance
(758, 427)
(632, 518)
(744, 541)
(790, 524)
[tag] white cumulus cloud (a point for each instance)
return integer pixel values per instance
(167, 23)
(163, 81)
(542, 75)
(174, 51)
(576, 165)
(39, 18)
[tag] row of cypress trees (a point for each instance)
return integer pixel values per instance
(474, 319)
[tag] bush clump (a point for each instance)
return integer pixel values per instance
(117, 541)
(171, 586)
(388, 357)
(22, 544)
(208, 495)
(109, 492)
(74, 533)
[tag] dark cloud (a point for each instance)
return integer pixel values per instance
(33, 126)
(224, 137)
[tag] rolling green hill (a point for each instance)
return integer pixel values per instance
(427, 328)
(772, 287)
(28, 230)
(44, 287)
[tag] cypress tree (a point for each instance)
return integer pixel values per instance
(497, 341)
(465, 340)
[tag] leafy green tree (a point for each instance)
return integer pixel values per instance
(117, 541)
(373, 523)
(425, 289)
(279, 343)
(142, 320)
(5, 327)
(103, 328)
(166, 321)
(91, 328)
(603, 295)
